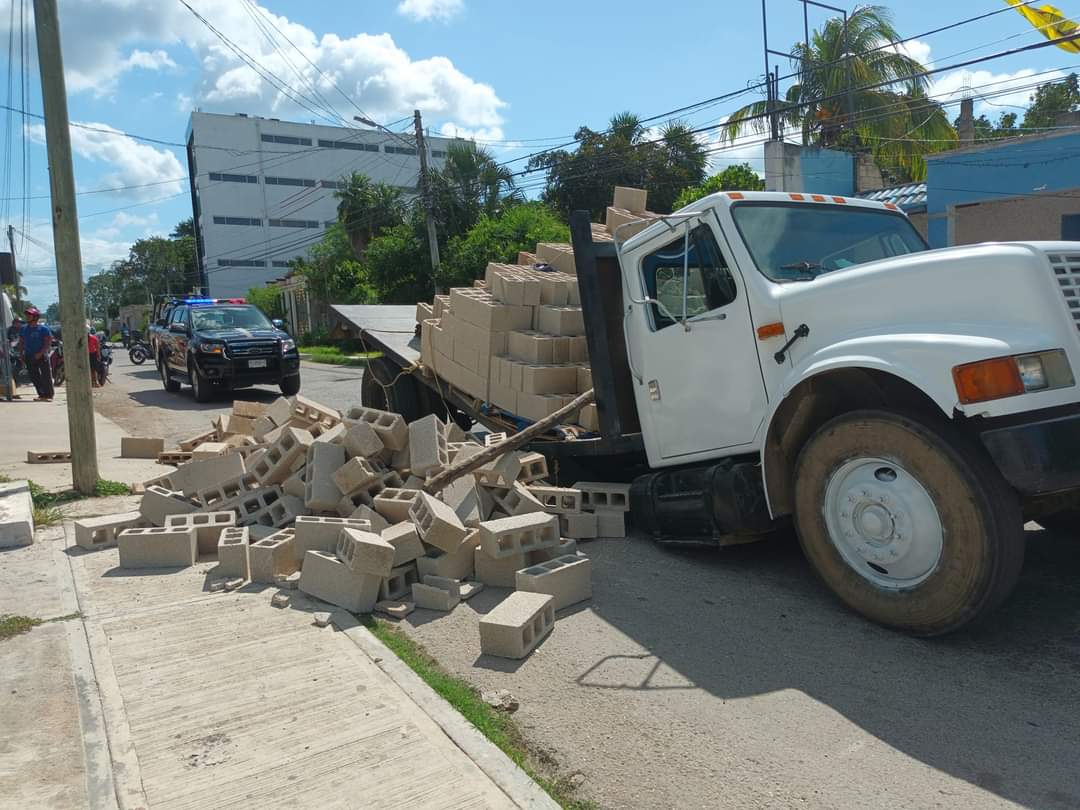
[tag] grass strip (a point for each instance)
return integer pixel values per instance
(497, 726)
(12, 625)
(47, 504)
(334, 356)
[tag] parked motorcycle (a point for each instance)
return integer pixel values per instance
(56, 362)
(140, 352)
(106, 363)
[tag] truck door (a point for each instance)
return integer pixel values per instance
(698, 380)
(176, 341)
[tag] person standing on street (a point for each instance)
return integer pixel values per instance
(36, 342)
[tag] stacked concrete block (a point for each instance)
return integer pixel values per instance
(273, 556)
(321, 493)
(567, 579)
(296, 484)
(158, 503)
(100, 532)
(458, 564)
(138, 447)
(391, 427)
(498, 572)
(252, 506)
(362, 440)
(557, 500)
(533, 467)
(557, 255)
(357, 475)
(365, 552)
(567, 545)
(517, 624)
(517, 500)
(437, 524)
(433, 597)
(187, 445)
(326, 577)
(398, 585)
(318, 533)
(427, 446)
(376, 521)
(510, 536)
(463, 496)
(277, 462)
(597, 495)
(584, 526)
(233, 552)
(393, 503)
(314, 413)
(157, 547)
(405, 540)
(224, 495)
(623, 224)
(207, 525)
(631, 199)
(565, 320)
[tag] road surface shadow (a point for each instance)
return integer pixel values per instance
(185, 400)
(995, 705)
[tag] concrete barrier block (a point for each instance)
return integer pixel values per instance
(557, 500)
(437, 523)
(356, 475)
(272, 556)
(517, 624)
(158, 503)
(208, 472)
(207, 526)
(326, 577)
(463, 496)
(584, 526)
(365, 552)
(610, 523)
(321, 492)
(140, 447)
(497, 572)
(428, 452)
(520, 533)
(533, 467)
(362, 440)
(157, 547)
(458, 564)
(405, 540)
(567, 579)
(399, 584)
(597, 495)
(391, 427)
(100, 532)
(393, 503)
(431, 598)
(567, 545)
(233, 552)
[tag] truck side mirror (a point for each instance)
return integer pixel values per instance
(279, 324)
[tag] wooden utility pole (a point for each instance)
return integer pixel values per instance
(429, 203)
(65, 220)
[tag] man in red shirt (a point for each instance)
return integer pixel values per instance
(93, 345)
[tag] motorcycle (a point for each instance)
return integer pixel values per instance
(140, 352)
(106, 362)
(56, 362)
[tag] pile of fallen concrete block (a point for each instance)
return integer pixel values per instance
(299, 495)
(516, 339)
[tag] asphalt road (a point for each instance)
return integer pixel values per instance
(733, 679)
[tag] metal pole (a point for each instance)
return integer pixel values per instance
(6, 372)
(14, 266)
(429, 203)
(80, 402)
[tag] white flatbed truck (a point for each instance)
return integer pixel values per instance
(765, 356)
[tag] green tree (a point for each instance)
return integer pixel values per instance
(365, 209)
(267, 299)
(739, 177)
(184, 228)
(499, 238)
(52, 313)
(332, 271)
(1051, 100)
(397, 266)
(471, 184)
(836, 102)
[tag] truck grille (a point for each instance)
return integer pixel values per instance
(1067, 272)
(254, 348)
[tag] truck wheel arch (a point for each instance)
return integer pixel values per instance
(813, 402)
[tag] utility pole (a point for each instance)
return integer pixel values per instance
(14, 266)
(429, 203)
(80, 402)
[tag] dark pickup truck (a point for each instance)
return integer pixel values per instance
(214, 346)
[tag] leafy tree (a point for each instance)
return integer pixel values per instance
(365, 209)
(1051, 100)
(471, 184)
(836, 101)
(626, 154)
(52, 313)
(985, 130)
(332, 271)
(734, 178)
(397, 266)
(185, 227)
(499, 238)
(267, 299)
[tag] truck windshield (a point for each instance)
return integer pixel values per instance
(211, 318)
(800, 241)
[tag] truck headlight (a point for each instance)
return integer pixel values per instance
(1002, 377)
(211, 348)
(287, 345)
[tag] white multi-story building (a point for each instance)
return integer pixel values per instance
(262, 190)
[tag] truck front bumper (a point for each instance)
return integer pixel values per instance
(1038, 456)
(239, 374)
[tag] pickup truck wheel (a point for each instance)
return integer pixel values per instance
(907, 521)
(200, 386)
(170, 385)
(290, 386)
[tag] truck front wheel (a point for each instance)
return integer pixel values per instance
(907, 521)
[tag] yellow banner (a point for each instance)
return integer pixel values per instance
(1051, 22)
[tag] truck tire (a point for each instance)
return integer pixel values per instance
(167, 382)
(385, 388)
(907, 521)
(200, 386)
(290, 386)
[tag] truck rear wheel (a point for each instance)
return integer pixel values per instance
(906, 521)
(385, 388)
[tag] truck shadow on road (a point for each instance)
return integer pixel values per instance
(185, 401)
(996, 705)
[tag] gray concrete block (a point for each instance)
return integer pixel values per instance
(222, 496)
(502, 472)
(276, 463)
(398, 585)
(377, 521)
(393, 503)
(296, 484)
(272, 557)
(16, 514)
(567, 579)
(357, 475)
(567, 545)
(157, 547)
(557, 500)
(233, 552)
(533, 467)
(517, 500)
(251, 505)
(391, 427)
(519, 533)
(140, 447)
(365, 552)
(437, 523)
(430, 598)
(610, 523)
(320, 533)
(453, 586)
(463, 496)
(582, 527)
(332, 435)
(196, 475)
(326, 577)
(498, 573)
(516, 625)
(596, 495)
(362, 441)
(321, 494)
(312, 412)
(207, 526)
(158, 503)
(457, 564)
(428, 452)
(100, 532)
(405, 540)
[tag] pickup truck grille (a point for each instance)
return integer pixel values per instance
(1067, 272)
(254, 348)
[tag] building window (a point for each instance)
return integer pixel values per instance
(237, 221)
(240, 263)
(278, 263)
(233, 178)
(438, 153)
(353, 145)
(399, 150)
(294, 223)
(336, 184)
(286, 139)
(289, 181)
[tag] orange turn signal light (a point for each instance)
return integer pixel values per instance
(770, 330)
(987, 379)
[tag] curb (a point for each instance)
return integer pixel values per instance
(511, 780)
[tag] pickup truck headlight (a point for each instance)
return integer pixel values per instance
(1011, 376)
(211, 348)
(287, 345)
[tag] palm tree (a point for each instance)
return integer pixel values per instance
(856, 90)
(365, 209)
(471, 183)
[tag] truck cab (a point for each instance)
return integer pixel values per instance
(906, 407)
(217, 345)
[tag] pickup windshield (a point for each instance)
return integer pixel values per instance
(800, 241)
(242, 317)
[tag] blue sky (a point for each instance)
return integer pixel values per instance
(520, 76)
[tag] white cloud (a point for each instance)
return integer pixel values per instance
(149, 172)
(149, 60)
(917, 50)
(430, 9)
(480, 134)
(994, 93)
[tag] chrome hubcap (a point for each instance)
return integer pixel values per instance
(883, 522)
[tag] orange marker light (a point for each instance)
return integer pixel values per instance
(987, 379)
(892, 206)
(817, 198)
(840, 200)
(770, 330)
(798, 197)
(735, 195)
